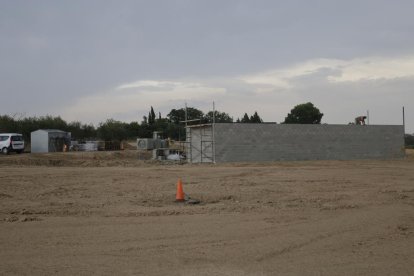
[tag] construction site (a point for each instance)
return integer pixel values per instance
(204, 138)
(232, 199)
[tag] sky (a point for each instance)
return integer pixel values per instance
(93, 60)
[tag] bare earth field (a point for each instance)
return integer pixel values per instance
(112, 214)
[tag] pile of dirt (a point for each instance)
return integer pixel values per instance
(126, 158)
(133, 158)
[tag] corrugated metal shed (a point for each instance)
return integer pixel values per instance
(49, 140)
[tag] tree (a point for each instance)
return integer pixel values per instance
(409, 140)
(255, 118)
(178, 115)
(219, 117)
(175, 129)
(151, 116)
(112, 130)
(145, 129)
(81, 131)
(7, 124)
(49, 122)
(133, 130)
(26, 125)
(245, 118)
(305, 113)
(89, 131)
(161, 125)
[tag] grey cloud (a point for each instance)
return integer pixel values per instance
(54, 52)
(315, 77)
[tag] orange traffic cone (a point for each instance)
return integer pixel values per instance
(180, 193)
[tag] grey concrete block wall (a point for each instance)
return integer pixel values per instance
(272, 142)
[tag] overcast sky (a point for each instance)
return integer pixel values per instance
(93, 60)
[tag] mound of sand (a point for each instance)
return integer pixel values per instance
(79, 159)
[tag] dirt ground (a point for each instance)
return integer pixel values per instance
(113, 214)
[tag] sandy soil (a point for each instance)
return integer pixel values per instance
(111, 214)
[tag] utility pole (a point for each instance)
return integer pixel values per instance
(403, 114)
(185, 119)
(403, 118)
(213, 129)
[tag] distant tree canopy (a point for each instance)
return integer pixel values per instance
(171, 126)
(305, 113)
(178, 115)
(409, 140)
(219, 117)
(245, 119)
(81, 131)
(26, 125)
(112, 130)
(151, 116)
(255, 118)
(174, 127)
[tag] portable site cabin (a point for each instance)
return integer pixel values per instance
(244, 142)
(49, 140)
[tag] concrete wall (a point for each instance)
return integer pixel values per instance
(272, 142)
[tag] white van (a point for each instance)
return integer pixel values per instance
(11, 142)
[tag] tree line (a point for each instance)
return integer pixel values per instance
(172, 126)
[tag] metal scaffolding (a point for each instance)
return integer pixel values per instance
(199, 140)
(200, 143)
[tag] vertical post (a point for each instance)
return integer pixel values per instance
(185, 119)
(367, 117)
(403, 118)
(214, 113)
(213, 130)
(187, 144)
(403, 114)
